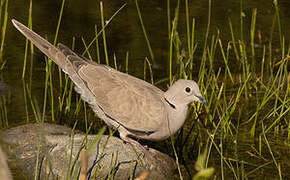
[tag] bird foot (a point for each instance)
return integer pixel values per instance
(144, 149)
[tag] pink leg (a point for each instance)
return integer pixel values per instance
(144, 149)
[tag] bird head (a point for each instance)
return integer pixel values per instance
(183, 92)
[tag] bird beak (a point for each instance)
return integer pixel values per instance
(202, 100)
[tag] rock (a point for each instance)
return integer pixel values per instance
(58, 154)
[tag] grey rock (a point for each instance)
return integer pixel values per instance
(59, 154)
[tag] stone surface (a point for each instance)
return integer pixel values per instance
(59, 154)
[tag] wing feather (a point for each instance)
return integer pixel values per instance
(132, 102)
(129, 100)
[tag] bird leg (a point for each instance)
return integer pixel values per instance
(144, 149)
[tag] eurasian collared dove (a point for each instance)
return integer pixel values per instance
(138, 109)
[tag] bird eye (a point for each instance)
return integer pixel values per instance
(187, 89)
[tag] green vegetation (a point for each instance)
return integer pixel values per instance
(248, 95)
(3, 100)
(253, 88)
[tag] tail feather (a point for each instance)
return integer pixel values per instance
(65, 58)
(47, 48)
(65, 50)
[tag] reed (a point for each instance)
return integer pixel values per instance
(226, 107)
(246, 80)
(104, 34)
(144, 31)
(4, 27)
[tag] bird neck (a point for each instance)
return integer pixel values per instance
(177, 117)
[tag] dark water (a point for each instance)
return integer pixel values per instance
(124, 34)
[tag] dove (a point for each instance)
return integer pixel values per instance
(136, 108)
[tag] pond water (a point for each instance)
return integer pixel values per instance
(124, 34)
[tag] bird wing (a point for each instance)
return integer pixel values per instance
(133, 103)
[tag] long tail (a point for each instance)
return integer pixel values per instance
(63, 57)
(47, 48)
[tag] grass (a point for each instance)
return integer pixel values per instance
(249, 91)
(3, 25)
(144, 31)
(225, 107)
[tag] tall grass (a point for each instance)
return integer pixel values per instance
(3, 100)
(215, 85)
(27, 42)
(3, 26)
(4, 123)
(144, 31)
(247, 79)
(104, 33)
